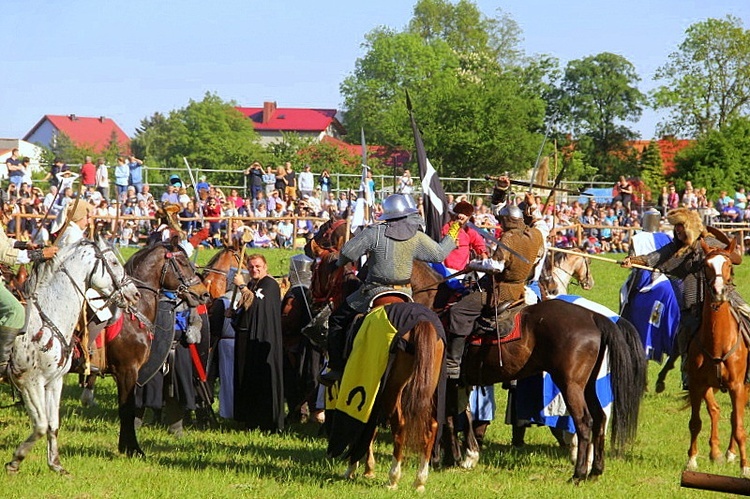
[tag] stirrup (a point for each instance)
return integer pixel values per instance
(330, 377)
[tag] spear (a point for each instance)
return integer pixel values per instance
(601, 258)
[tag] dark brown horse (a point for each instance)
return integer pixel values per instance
(717, 360)
(569, 342)
(162, 267)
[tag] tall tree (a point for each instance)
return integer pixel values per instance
(707, 78)
(652, 167)
(595, 96)
(477, 114)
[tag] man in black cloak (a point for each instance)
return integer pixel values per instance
(258, 356)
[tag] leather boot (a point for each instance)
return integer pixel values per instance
(454, 354)
(480, 428)
(7, 338)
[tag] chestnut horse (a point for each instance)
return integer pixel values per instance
(717, 359)
(409, 395)
(215, 271)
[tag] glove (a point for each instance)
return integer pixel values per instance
(42, 255)
(195, 326)
(499, 194)
(453, 230)
(22, 245)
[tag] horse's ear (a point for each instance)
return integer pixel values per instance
(706, 247)
(174, 241)
(735, 250)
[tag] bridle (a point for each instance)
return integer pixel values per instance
(236, 256)
(575, 278)
(170, 264)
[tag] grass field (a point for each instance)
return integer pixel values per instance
(229, 463)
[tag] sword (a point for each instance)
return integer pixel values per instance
(489, 237)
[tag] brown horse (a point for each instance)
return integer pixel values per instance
(569, 342)
(717, 359)
(408, 398)
(563, 269)
(162, 267)
(215, 271)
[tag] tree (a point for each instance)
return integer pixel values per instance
(707, 78)
(477, 114)
(652, 167)
(719, 160)
(210, 133)
(595, 95)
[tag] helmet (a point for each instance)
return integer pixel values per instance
(397, 206)
(651, 220)
(511, 211)
(300, 270)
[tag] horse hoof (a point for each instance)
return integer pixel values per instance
(692, 464)
(576, 480)
(419, 489)
(87, 398)
(471, 460)
(11, 469)
(392, 486)
(369, 474)
(730, 456)
(660, 386)
(746, 472)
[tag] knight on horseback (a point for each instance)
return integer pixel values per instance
(511, 266)
(12, 312)
(681, 262)
(391, 247)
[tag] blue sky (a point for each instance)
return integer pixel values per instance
(128, 60)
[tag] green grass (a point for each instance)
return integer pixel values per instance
(229, 463)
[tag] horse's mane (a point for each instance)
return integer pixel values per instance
(143, 253)
(46, 270)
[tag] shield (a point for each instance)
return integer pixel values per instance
(162, 342)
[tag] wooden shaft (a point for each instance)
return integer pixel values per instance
(717, 483)
(597, 257)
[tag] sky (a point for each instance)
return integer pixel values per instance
(129, 60)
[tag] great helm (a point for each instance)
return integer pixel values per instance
(651, 220)
(300, 270)
(397, 206)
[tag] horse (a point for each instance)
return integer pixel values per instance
(42, 355)
(717, 359)
(562, 269)
(215, 271)
(569, 342)
(409, 394)
(161, 267)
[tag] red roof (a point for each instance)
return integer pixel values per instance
(389, 156)
(95, 132)
(290, 119)
(668, 146)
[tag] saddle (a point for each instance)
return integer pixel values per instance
(501, 325)
(351, 333)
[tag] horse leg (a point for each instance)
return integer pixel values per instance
(714, 413)
(126, 378)
(576, 403)
(399, 435)
(472, 446)
(668, 366)
(53, 393)
(738, 395)
(696, 395)
(595, 461)
(34, 400)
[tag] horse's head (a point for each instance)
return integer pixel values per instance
(215, 272)
(108, 276)
(331, 282)
(178, 274)
(717, 267)
(582, 272)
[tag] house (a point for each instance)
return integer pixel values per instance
(82, 131)
(271, 122)
(25, 150)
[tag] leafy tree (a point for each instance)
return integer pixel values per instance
(719, 160)
(707, 78)
(595, 95)
(210, 133)
(477, 114)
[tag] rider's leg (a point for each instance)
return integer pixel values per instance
(337, 326)
(462, 317)
(12, 318)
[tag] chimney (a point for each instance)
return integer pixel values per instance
(268, 109)
(72, 117)
(102, 118)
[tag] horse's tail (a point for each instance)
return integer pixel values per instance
(417, 399)
(627, 364)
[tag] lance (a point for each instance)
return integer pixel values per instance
(197, 199)
(580, 192)
(554, 188)
(538, 157)
(601, 258)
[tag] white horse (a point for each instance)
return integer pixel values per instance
(42, 355)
